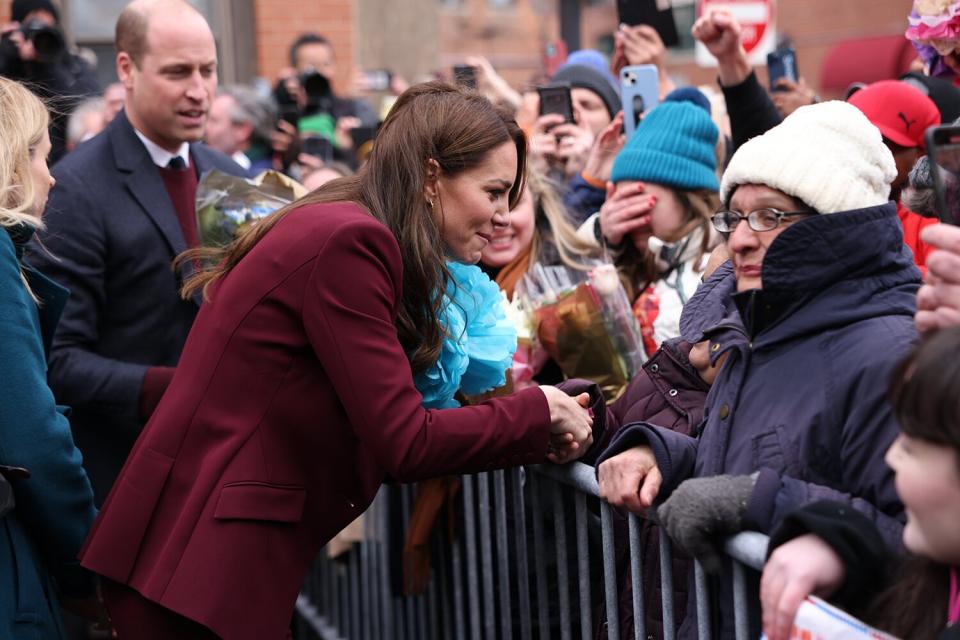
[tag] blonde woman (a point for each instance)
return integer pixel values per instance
(46, 504)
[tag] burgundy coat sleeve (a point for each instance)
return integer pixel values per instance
(351, 302)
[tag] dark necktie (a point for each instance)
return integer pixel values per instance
(177, 164)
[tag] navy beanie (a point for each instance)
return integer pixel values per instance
(580, 76)
(675, 146)
(691, 95)
(22, 8)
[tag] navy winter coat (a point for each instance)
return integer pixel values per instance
(802, 394)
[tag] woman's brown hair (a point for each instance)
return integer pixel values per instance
(436, 121)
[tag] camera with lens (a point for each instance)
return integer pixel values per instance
(48, 41)
(316, 87)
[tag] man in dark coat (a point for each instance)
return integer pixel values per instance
(121, 210)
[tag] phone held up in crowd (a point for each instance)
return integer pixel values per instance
(465, 76)
(782, 63)
(639, 93)
(656, 13)
(943, 150)
(556, 99)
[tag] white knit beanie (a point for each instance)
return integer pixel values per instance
(828, 155)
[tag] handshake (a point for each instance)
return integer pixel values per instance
(571, 425)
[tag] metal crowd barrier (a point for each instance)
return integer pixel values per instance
(501, 576)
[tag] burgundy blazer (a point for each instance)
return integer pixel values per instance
(293, 400)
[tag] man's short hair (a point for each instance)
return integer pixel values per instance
(249, 107)
(131, 33)
(305, 39)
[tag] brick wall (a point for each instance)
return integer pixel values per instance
(279, 22)
(515, 37)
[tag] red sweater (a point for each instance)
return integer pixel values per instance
(913, 223)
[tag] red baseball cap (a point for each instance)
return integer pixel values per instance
(901, 112)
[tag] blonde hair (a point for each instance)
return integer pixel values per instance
(24, 121)
(574, 251)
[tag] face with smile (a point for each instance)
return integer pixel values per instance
(510, 240)
(748, 247)
(170, 91)
(928, 483)
(470, 206)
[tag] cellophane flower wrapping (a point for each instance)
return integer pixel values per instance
(584, 321)
(227, 205)
(479, 344)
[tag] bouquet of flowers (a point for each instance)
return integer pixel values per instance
(227, 205)
(584, 322)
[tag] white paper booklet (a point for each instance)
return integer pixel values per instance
(817, 620)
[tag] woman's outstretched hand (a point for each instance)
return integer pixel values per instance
(571, 425)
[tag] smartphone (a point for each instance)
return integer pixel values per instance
(378, 79)
(556, 99)
(782, 63)
(639, 93)
(318, 147)
(943, 151)
(465, 76)
(655, 13)
(554, 55)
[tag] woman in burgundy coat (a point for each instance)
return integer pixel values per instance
(294, 397)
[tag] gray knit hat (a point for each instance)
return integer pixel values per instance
(580, 76)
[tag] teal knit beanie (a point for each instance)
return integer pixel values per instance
(675, 146)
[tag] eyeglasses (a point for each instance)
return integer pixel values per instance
(759, 220)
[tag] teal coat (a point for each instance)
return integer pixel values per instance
(41, 536)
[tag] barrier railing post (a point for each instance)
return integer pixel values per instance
(503, 555)
(563, 580)
(517, 477)
(666, 588)
(636, 578)
(610, 572)
(473, 576)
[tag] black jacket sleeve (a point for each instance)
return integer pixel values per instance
(853, 536)
(751, 110)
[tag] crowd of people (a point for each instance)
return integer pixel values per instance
(186, 425)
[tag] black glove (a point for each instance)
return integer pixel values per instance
(701, 512)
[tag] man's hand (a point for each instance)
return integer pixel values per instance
(938, 302)
(790, 96)
(630, 479)
(805, 565)
(720, 33)
(605, 149)
(626, 210)
(571, 425)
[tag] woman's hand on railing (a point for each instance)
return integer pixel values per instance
(571, 425)
(803, 566)
(630, 479)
